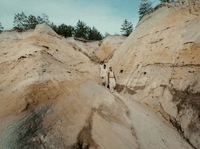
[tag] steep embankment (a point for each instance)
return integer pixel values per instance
(159, 65)
(97, 50)
(108, 46)
(86, 47)
(50, 96)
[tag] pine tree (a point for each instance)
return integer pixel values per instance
(166, 1)
(94, 34)
(69, 31)
(90, 34)
(64, 30)
(39, 19)
(1, 28)
(54, 27)
(20, 21)
(45, 19)
(81, 30)
(127, 28)
(32, 22)
(145, 8)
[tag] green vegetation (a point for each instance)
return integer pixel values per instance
(81, 30)
(127, 28)
(64, 30)
(145, 8)
(1, 28)
(22, 22)
(166, 1)
(93, 33)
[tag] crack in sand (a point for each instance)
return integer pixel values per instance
(84, 139)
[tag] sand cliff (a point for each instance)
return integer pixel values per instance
(51, 94)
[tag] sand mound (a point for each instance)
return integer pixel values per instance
(108, 46)
(51, 97)
(43, 28)
(160, 66)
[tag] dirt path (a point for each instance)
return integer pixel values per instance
(152, 131)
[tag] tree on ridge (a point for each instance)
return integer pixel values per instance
(166, 1)
(22, 22)
(1, 28)
(65, 30)
(81, 30)
(145, 8)
(32, 21)
(127, 28)
(94, 34)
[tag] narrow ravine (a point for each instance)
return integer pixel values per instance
(153, 132)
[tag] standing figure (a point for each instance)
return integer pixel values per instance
(104, 75)
(100, 67)
(111, 80)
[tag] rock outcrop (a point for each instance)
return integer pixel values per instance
(108, 46)
(97, 51)
(51, 94)
(158, 65)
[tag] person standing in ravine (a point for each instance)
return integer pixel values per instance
(111, 80)
(103, 74)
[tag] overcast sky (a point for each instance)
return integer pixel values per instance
(105, 15)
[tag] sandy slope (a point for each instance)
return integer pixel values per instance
(108, 46)
(153, 131)
(160, 65)
(97, 50)
(51, 97)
